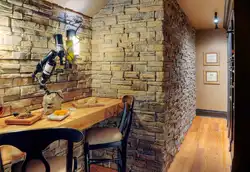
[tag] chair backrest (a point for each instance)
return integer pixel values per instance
(127, 113)
(33, 142)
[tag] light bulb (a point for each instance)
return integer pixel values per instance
(76, 44)
(216, 20)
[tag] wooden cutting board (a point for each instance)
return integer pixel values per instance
(29, 121)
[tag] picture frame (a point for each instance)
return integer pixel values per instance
(211, 77)
(211, 59)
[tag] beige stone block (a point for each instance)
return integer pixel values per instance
(141, 48)
(20, 103)
(139, 86)
(147, 58)
(26, 44)
(141, 68)
(114, 58)
(121, 66)
(96, 24)
(155, 24)
(97, 56)
(9, 66)
(155, 69)
(132, 59)
(5, 30)
(136, 1)
(106, 67)
(127, 92)
(16, 2)
(143, 16)
(113, 49)
(123, 19)
(131, 10)
(110, 20)
(54, 23)
(40, 44)
(151, 8)
(97, 41)
(5, 55)
(137, 29)
(155, 47)
(135, 25)
(133, 35)
(6, 4)
(27, 68)
(159, 36)
(154, 63)
(4, 21)
(5, 83)
(31, 7)
(17, 15)
(120, 82)
(119, 9)
(121, 87)
(20, 55)
(17, 30)
(133, 75)
(1, 91)
(62, 77)
(12, 91)
(117, 30)
(117, 74)
(40, 50)
(12, 40)
(148, 76)
(10, 76)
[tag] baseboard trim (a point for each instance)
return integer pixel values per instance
(211, 113)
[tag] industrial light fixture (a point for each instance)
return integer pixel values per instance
(71, 36)
(216, 20)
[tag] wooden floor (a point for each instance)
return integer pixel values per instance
(205, 148)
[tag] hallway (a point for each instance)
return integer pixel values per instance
(205, 148)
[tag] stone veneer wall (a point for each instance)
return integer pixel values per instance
(26, 36)
(147, 48)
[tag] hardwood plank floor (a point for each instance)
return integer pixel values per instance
(205, 148)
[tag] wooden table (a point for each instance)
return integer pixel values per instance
(80, 119)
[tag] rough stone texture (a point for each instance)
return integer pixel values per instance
(147, 49)
(26, 36)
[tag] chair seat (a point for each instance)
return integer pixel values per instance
(103, 135)
(57, 164)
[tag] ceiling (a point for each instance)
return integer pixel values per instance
(201, 12)
(87, 7)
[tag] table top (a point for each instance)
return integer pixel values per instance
(81, 118)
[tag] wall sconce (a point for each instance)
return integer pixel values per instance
(216, 20)
(71, 36)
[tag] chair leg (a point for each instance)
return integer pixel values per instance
(86, 157)
(124, 157)
(119, 157)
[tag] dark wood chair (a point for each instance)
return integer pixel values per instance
(33, 142)
(101, 138)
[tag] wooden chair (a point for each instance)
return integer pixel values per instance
(33, 142)
(101, 138)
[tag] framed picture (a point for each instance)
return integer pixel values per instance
(212, 77)
(211, 59)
